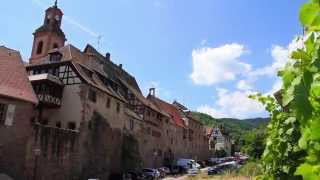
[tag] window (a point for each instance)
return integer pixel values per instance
(58, 124)
(44, 122)
(118, 107)
(3, 112)
(72, 125)
(131, 124)
(40, 47)
(55, 45)
(108, 104)
(55, 57)
(92, 96)
(148, 130)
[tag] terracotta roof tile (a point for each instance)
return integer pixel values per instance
(14, 80)
(170, 109)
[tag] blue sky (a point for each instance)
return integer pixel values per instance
(208, 54)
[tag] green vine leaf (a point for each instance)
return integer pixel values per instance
(308, 13)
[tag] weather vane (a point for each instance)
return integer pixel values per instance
(56, 3)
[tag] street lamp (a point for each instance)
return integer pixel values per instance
(37, 153)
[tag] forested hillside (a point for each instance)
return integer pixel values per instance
(235, 127)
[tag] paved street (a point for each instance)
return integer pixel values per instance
(183, 177)
(176, 178)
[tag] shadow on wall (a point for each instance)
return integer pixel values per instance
(5, 177)
(98, 148)
(131, 158)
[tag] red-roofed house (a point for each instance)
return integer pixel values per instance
(17, 102)
(190, 140)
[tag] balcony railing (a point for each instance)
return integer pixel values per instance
(48, 88)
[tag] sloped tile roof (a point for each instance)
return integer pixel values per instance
(14, 80)
(170, 109)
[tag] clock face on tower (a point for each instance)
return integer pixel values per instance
(49, 16)
(57, 17)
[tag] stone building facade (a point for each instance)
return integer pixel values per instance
(220, 140)
(17, 102)
(92, 119)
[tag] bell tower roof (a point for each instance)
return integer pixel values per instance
(52, 21)
(49, 35)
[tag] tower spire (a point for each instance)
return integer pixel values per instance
(48, 36)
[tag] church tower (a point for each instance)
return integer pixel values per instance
(49, 36)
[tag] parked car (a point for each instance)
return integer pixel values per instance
(162, 172)
(202, 164)
(186, 164)
(151, 174)
(214, 170)
(213, 161)
(174, 170)
(134, 175)
(193, 171)
(165, 171)
(229, 165)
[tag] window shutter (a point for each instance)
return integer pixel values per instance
(10, 115)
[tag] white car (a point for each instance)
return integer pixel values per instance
(193, 172)
(187, 163)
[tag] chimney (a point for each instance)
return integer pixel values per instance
(108, 55)
(120, 66)
(152, 92)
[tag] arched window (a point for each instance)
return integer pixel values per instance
(40, 47)
(55, 45)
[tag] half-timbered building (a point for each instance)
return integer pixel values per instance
(92, 119)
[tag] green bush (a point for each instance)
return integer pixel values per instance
(251, 169)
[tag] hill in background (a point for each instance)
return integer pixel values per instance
(235, 127)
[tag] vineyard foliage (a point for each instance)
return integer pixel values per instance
(293, 137)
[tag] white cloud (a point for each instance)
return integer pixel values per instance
(235, 104)
(280, 57)
(212, 65)
(215, 65)
(244, 85)
(203, 42)
(211, 111)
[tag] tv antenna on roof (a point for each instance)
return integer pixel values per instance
(99, 38)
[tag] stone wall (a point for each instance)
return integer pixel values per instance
(13, 139)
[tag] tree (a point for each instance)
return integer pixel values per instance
(253, 143)
(293, 136)
(220, 153)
